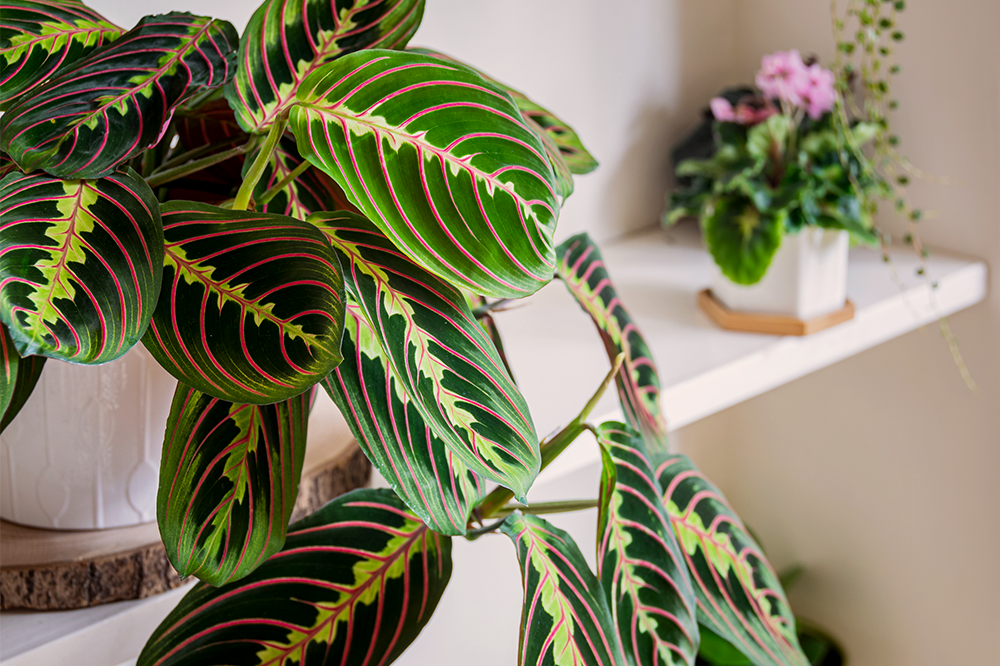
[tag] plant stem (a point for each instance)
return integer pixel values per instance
(160, 177)
(188, 155)
(552, 448)
(260, 163)
(541, 508)
(283, 183)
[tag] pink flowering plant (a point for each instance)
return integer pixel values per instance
(780, 159)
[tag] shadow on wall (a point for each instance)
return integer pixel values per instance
(698, 62)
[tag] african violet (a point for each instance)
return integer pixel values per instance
(781, 160)
(350, 222)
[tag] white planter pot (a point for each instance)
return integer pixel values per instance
(84, 452)
(807, 278)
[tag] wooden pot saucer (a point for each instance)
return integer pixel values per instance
(44, 569)
(757, 322)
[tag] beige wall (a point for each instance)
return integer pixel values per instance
(881, 474)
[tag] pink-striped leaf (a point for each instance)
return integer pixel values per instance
(445, 362)
(739, 595)
(311, 192)
(286, 41)
(577, 159)
(582, 270)
(18, 377)
(80, 264)
(440, 159)
(40, 37)
(565, 619)
(639, 562)
(433, 481)
(252, 305)
(117, 101)
(562, 144)
(353, 586)
(229, 477)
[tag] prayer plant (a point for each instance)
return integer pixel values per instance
(316, 204)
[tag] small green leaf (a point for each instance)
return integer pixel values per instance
(228, 482)
(639, 562)
(18, 377)
(741, 239)
(565, 619)
(582, 269)
(739, 595)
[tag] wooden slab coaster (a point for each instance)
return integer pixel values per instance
(756, 322)
(60, 569)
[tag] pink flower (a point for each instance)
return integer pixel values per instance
(754, 112)
(817, 92)
(781, 75)
(722, 109)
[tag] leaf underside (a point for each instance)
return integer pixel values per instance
(640, 564)
(229, 477)
(117, 101)
(443, 359)
(252, 305)
(565, 619)
(80, 264)
(309, 33)
(584, 273)
(353, 586)
(739, 595)
(40, 37)
(438, 158)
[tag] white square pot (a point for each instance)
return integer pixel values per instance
(807, 278)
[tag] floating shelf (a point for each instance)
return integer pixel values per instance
(558, 361)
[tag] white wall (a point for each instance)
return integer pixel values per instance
(881, 474)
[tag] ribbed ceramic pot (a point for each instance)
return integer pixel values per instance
(84, 452)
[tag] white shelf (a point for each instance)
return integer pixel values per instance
(558, 361)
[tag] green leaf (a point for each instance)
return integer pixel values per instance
(18, 377)
(353, 586)
(445, 362)
(739, 595)
(562, 144)
(285, 42)
(582, 270)
(433, 481)
(440, 159)
(741, 239)
(80, 264)
(117, 101)
(40, 37)
(565, 619)
(639, 562)
(252, 306)
(229, 477)
(767, 140)
(565, 138)
(311, 192)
